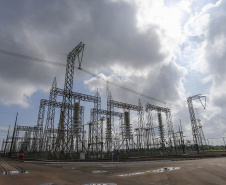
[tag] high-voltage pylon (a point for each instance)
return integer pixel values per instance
(48, 139)
(200, 129)
(198, 139)
(201, 132)
(38, 130)
(65, 133)
(95, 141)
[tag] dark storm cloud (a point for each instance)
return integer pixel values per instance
(111, 31)
(44, 29)
(109, 28)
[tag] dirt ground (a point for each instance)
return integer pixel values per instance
(197, 171)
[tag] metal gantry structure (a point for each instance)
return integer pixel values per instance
(110, 133)
(127, 143)
(49, 134)
(171, 137)
(98, 138)
(140, 130)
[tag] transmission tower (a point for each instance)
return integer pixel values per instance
(65, 128)
(200, 129)
(48, 141)
(96, 128)
(198, 140)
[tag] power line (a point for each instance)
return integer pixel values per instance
(132, 91)
(9, 53)
(213, 113)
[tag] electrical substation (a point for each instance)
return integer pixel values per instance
(69, 137)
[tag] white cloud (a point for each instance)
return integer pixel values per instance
(197, 25)
(20, 96)
(168, 20)
(211, 5)
(125, 72)
(185, 5)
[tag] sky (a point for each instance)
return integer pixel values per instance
(165, 49)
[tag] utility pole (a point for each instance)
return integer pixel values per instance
(10, 151)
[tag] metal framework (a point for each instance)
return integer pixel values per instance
(179, 139)
(171, 138)
(65, 124)
(78, 127)
(109, 130)
(77, 133)
(126, 129)
(140, 131)
(150, 132)
(198, 139)
(25, 142)
(95, 141)
(110, 122)
(67, 138)
(50, 132)
(201, 132)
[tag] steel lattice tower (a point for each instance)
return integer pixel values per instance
(110, 122)
(150, 131)
(140, 130)
(198, 140)
(65, 128)
(48, 141)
